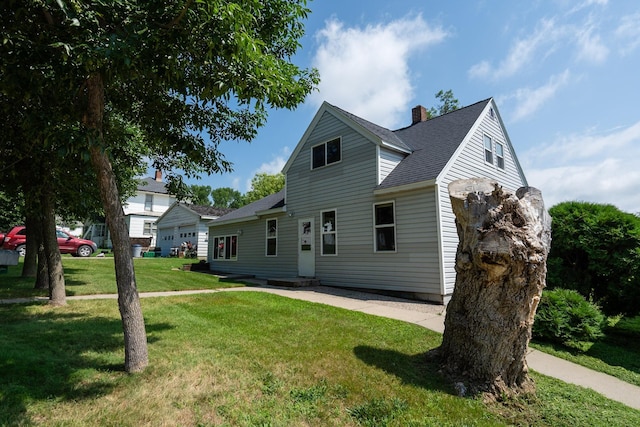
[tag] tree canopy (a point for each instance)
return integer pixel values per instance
(187, 75)
(596, 251)
(227, 197)
(262, 185)
(448, 103)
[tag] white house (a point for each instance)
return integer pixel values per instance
(368, 207)
(141, 211)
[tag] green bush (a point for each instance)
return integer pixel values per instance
(565, 316)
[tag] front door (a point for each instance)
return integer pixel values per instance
(306, 248)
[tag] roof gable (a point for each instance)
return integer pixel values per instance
(201, 212)
(433, 144)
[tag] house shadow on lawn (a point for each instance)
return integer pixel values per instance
(56, 355)
(415, 369)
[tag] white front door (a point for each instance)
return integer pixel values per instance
(306, 248)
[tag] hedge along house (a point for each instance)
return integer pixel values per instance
(186, 223)
(367, 207)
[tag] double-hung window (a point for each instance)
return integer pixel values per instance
(150, 228)
(148, 202)
(329, 233)
(225, 248)
(326, 153)
(500, 155)
(488, 149)
(384, 227)
(272, 237)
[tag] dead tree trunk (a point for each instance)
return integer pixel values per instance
(501, 271)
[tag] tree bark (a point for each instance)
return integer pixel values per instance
(504, 240)
(33, 226)
(57, 294)
(135, 336)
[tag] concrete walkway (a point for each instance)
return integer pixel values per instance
(427, 315)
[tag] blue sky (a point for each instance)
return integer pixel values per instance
(564, 73)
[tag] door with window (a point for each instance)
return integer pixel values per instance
(306, 248)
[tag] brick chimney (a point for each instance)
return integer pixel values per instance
(158, 175)
(419, 114)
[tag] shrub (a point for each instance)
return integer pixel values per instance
(565, 316)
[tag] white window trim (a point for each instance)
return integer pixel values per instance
(267, 238)
(496, 143)
(334, 232)
(484, 149)
(325, 153)
(152, 226)
(149, 197)
(394, 224)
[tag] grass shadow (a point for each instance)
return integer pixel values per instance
(56, 354)
(416, 370)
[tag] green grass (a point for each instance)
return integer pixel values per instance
(88, 276)
(250, 359)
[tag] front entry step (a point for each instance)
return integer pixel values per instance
(294, 282)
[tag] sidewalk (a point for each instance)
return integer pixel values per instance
(427, 315)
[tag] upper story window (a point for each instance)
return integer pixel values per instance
(500, 155)
(148, 202)
(272, 237)
(329, 233)
(326, 153)
(384, 227)
(488, 149)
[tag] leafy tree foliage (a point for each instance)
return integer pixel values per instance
(227, 197)
(174, 70)
(448, 103)
(264, 184)
(12, 211)
(596, 251)
(200, 195)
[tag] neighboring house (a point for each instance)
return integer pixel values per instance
(183, 223)
(141, 212)
(367, 207)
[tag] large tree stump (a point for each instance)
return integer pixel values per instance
(501, 271)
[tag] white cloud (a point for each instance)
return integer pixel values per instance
(628, 32)
(365, 70)
(541, 43)
(531, 100)
(590, 45)
(272, 167)
(589, 167)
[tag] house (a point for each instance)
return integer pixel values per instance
(183, 223)
(368, 207)
(141, 212)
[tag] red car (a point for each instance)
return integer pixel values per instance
(16, 240)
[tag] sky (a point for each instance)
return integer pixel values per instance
(565, 75)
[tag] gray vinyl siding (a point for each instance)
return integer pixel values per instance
(251, 257)
(470, 163)
(348, 187)
(387, 162)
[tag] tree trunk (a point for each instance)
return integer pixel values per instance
(501, 269)
(33, 226)
(57, 294)
(42, 276)
(135, 336)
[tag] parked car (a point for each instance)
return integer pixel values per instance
(16, 240)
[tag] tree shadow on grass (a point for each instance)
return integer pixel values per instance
(417, 370)
(56, 355)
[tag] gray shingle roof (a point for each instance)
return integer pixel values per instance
(209, 210)
(433, 143)
(270, 202)
(384, 134)
(150, 185)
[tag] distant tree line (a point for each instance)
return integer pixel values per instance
(262, 185)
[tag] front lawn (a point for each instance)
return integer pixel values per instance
(88, 276)
(250, 359)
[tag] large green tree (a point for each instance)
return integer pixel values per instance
(175, 69)
(200, 195)
(262, 185)
(227, 197)
(596, 251)
(448, 103)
